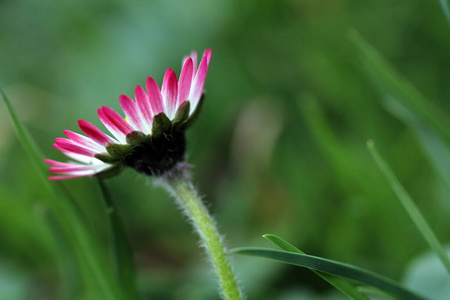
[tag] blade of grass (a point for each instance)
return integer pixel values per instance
(71, 284)
(339, 283)
(89, 257)
(29, 146)
(404, 101)
(410, 207)
(332, 267)
(327, 140)
(120, 244)
(392, 83)
(374, 291)
(435, 147)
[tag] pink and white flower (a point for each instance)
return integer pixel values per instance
(88, 152)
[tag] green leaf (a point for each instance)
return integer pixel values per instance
(119, 151)
(374, 291)
(106, 157)
(280, 243)
(182, 115)
(333, 267)
(161, 124)
(136, 138)
(335, 281)
(392, 83)
(410, 207)
(93, 265)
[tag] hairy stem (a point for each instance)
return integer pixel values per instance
(179, 185)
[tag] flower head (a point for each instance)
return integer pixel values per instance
(150, 138)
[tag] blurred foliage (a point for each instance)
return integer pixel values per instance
(279, 146)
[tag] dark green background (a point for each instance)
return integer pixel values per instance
(278, 148)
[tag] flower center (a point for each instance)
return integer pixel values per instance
(157, 155)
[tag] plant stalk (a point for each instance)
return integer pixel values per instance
(177, 183)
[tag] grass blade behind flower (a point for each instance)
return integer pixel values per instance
(406, 103)
(410, 207)
(27, 143)
(392, 83)
(435, 147)
(339, 283)
(430, 124)
(93, 266)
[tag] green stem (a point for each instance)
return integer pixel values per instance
(178, 184)
(123, 259)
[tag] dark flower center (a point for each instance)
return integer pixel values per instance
(156, 157)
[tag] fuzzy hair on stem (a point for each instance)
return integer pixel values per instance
(178, 183)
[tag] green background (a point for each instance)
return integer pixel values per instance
(279, 146)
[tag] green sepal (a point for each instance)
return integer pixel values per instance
(110, 172)
(118, 151)
(182, 115)
(194, 114)
(137, 138)
(161, 124)
(105, 157)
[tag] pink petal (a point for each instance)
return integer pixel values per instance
(117, 120)
(115, 123)
(70, 146)
(57, 163)
(54, 178)
(143, 103)
(208, 54)
(156, 101)
(184, 84)
(83, 141)
(72, 169)
(169, 92)
(86, 174)
(193, 56)
(95, 133)
(75, 156)
(60, 149)
(132, 112)
(199, 81)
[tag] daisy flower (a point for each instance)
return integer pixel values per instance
(149, 138)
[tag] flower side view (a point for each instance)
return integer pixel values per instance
(150, 138)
